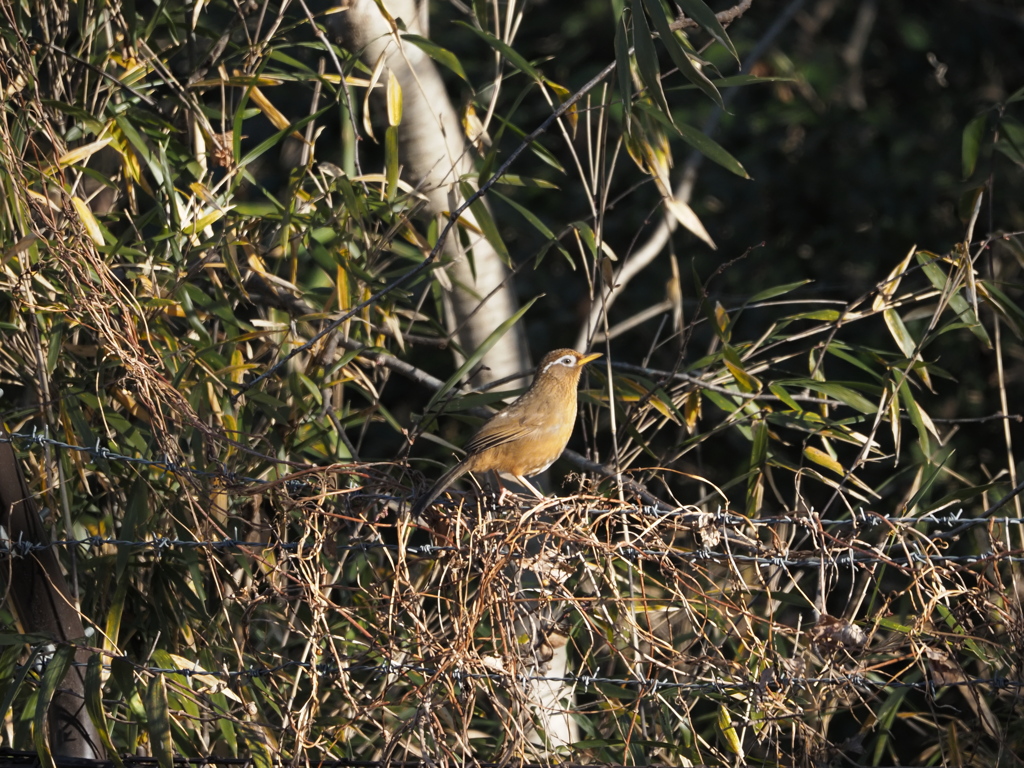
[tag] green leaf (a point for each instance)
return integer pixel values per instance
(713, 151)
(647, 58)
(705, 17)
(56, 668)
(94, 705)
(159, 719)
(940, 280)
(478, 354)
(268, 144)
(778, 290)
(514, 180)
(970, 143)
(758, 458)
(840, 392)
(916, 418)
(622, 67)
(527, 214)
(728, 731)
(505, 50)
(745, 381)
(486, 224)
(932, 472)
(1017, 95)
(1004, 306)
(391, 161)
(1012, 142)
(899, 332)
(589, 238)
(677, 53)
(783, 394)
(442, 56)
(14, 674)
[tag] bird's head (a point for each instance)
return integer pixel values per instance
(563, 365)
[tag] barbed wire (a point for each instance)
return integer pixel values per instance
(626, 551)
(859, 518)
(765, 683)
(100, 452)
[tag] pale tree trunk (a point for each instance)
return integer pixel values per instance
(435, 156)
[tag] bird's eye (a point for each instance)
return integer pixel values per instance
(568, 360)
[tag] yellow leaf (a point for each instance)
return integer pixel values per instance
(728, 731)
(81, 153)
(562, 94)
(746, 382)
(821, 458)
(394, 93)
(888, 288)
(272, 113)
(688, 219)
(92, 227)
(691, 409)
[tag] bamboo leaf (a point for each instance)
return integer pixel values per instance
(473, 359)
(970, 142)
(92, 226)
(486, 224)
(823, 459)
(158, 718)
(680, 57)
(56, 668)
(728, 731)
(394, 99)
(684, 214)
(778, 290)
(711, 149)
(705, 17)
(505, 50)
(899, 332)
(442, 56)
(622, 68)
(647, 58)
(94, 705)
(391, 169)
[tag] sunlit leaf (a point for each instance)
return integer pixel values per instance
(821, 458)
(92, 226)
(394, 99)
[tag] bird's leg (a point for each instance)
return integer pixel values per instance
(529, 485)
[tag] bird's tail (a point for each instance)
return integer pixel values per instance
(443, 482)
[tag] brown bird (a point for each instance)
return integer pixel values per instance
(527, 437)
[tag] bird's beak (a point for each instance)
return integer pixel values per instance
(588, 358)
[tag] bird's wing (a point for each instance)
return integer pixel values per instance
(500, 430)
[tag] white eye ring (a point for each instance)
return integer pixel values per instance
(568, 360)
